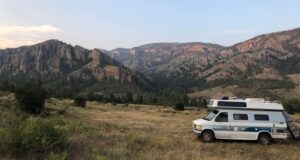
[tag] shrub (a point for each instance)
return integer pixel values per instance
(32, 135)
(2, 134)
(31, 97)
(7, 86)
(61, 156)
(179, 106)
(292, 106)
(80, 101)
(290, 109)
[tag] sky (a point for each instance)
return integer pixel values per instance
(110, 24)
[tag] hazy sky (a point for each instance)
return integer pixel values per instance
(110, 24)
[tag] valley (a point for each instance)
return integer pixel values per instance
(264, 66)
(149, 80)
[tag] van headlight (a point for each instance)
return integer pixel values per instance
(197, 126)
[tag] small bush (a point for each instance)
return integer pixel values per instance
(290, 109)
(179, 106)
(61, 156)
(31, 97)
(292, 106)
(32, 135)
(80, 101)
(2, 145)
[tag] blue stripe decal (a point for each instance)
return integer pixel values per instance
(257, 129)
(242, 128)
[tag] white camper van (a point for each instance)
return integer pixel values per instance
(249, 119)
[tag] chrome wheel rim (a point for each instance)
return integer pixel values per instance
(207, 137)
(264, 140)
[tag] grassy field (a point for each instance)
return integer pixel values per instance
(135, 132)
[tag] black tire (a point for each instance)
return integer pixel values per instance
(264, 139)
(207, 136)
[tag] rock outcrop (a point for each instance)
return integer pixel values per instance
(54, 61)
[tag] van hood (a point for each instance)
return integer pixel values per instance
(200, 121)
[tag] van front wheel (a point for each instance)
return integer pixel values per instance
(264, 138)
(207, 136)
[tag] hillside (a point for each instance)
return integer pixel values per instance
(263, 65)
(65, 67)
(269, 56)
(170, 59)
(263, 54)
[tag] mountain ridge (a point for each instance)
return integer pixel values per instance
(264, 61)
(124, 54)
(268, 61)
(55, 62)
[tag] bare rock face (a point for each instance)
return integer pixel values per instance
(54, 60)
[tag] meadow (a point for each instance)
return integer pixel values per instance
(134, 132)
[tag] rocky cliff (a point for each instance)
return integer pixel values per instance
(54, 61)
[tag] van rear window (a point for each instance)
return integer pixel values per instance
(261, 117)
(240, 116)
(231, 104)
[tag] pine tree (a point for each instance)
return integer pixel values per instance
(129, 97)
(139, 99)
(185, 100)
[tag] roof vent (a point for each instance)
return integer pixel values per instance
(225, 98)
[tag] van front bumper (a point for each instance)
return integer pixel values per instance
(197, 132)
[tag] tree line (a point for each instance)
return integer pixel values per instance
(170, 99)
(165, 97)
(33, 94)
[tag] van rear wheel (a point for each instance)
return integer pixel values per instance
(207, 136)
(264, 138)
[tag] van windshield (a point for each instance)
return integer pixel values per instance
(210, 115)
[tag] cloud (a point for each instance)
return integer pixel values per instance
(27, 29)
(14, 35)
(11, 43)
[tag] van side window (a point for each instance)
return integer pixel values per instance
(222, 117)
(231, 104)
(261, 117)
(240, 116)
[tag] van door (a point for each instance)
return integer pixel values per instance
(221, 126)
(241, 127)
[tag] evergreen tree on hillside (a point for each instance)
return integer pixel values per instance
(7, 86)
(31, 96)
(112, 98)
(129, 98)
(139, 99)
(185, 100)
